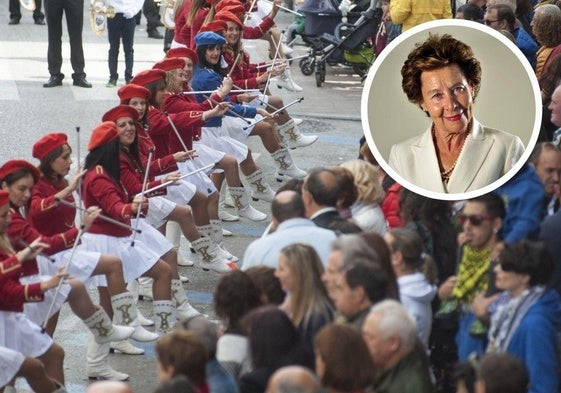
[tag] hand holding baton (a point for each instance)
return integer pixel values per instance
(229, 110)
(101, 216)
(34, 249)
(284, 8)
(171, 182)
(214, 91)
(144, 184)
(296, 101)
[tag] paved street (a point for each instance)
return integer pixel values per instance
(27, 111)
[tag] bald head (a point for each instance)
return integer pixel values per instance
(323, 187)
(109, 387)
(287, 204)
(293, 379)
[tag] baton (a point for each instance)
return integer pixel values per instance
(101, 216)
(26, 244)
(284, 8)
(78, 169)
(214, 91)
(229, 110)
(296, 101)
(170, 182)
(144, 183)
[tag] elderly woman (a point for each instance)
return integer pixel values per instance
(456, 153)
(526, 321)
(546, 26)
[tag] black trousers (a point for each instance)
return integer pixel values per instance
(15, 10)
(151, 12)
(74, 12)
(120, 28)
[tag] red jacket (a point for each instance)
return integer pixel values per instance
(245, 74)
(44, 214)
(186, 114)
(132, 175)
(100, 190)
(390, 206)
(161, 163)
(13, 294)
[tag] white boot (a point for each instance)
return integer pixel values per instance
(103, 330)
(126, 348)
(259, 186)
(292, 137)
(183, 309)
(285, 80)
(285, 166)
(217, 236)
(173, 234)
(98, 367)
(125, 312)
(207, 249)
(133, 287)
(241, 200)
(145, 288)
(223, 203)
(164, 316)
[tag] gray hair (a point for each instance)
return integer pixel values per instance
(395, 320)
(353, 247)
(206, 331)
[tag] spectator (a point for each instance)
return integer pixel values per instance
(343, 362)
(178, 384)
(501, 373)
(293, 379)
(349, 191)
(410, 14)
(269, 285)
(464, 376)
(546, 159)
(546, 26)
(391, 338)
(470, 12)
(15, 13)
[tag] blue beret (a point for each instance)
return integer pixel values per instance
(209, 38)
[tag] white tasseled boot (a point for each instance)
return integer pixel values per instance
(217, 236)
(184, 310)
(211, 260)
(126, 347)
(104, 331)
(224, 202)
(207, 230)
(259, 187)
(134, 288)
(285, 80)
(285, 166)
(98, 367)
(241, 200)
(292, 137)
(164, 316)
(124, 308)
(173, 234)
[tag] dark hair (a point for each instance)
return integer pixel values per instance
(471, 12)
(465, 372)
(370, 276)
(348, 191)
(551, 77)
(504, 12)
(435, 53)
(155, 87)
(177, 384)
(502, 372)
(17, 175)
(201, 52)
(410, 244)
(274, 342)
(144, 119)
(323, 185)
(235, 295)
(539, 149)
(45, 164)
(348, 364)
(264, 278)
(184, 351)
(291, 185)
(291, 208)
(494, 204)
(528, 257)
(108, 157)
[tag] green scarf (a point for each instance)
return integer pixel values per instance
(473, 274)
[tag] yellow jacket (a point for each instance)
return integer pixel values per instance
(410, 13)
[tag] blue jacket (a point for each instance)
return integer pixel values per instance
(205, 79)
(523, 196)
(527, 45)
(535, 342)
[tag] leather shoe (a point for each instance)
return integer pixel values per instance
(40, 21)
(54, 80)
(155, 34)
(82, 82)
(13, 21)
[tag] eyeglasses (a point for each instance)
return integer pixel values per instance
(475, 220)
(488, 22)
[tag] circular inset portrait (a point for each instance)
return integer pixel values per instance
(451, 109)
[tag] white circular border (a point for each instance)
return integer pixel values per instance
(369, 83)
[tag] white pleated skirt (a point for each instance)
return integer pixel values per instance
(37, 312)
(158, 209)
(218, 139)
(10, 363)
(182, 193)
(234, 127)
(149, 246)
(20, 334)
(206, 156)
(83, 263)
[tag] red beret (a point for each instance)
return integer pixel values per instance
(17, 165)
(103, 134)
(120, 111)
(227, 16)
(49, 143)
(237, 10)
(148, 76)
(214, 26)
(173, 63)
(223, 4)
(4, 197)
(183, 52)
(131, 90)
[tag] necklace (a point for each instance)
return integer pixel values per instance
(447, 173)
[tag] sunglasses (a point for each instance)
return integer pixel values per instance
(475, 220)
(489, 22)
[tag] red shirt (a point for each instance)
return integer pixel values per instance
(13, 294)
(44, 214)
(100, 190)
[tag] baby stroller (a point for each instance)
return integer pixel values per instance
(349, 43)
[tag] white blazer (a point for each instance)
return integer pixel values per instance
(486, 156)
